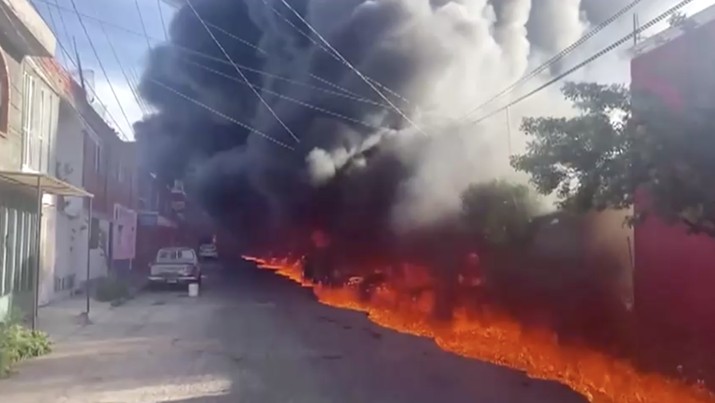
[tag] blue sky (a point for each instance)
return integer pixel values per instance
(131, 47)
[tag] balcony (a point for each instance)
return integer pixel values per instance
(26, 29)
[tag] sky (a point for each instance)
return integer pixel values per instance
(131, 48)
(124, 33)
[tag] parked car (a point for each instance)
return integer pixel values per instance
(208, 251)
(176, 265)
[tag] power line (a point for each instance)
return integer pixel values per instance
(101, 66)
(611, 47)
(161, 17)
(243, 76)
(141, 20)
(291, 99)
(68, 37)
(556, 58)
(351, 67)
(110, 24)
(221, 114)
(124, 73)
(326, 50)
(67, 55)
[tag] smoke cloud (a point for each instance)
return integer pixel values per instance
(361, 168)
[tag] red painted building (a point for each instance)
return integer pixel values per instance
(674, 278)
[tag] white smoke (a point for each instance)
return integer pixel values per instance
(444, 57)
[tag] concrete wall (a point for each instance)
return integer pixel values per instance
(72, 231)
(11, 141)
(28, 28)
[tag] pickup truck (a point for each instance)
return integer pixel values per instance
(176, 265)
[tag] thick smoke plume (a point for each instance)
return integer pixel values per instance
(361, 169)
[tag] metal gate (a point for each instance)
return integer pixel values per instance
(18, 250)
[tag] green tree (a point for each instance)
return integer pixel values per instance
(601, 157)
(498, 212)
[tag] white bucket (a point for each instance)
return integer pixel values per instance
(193, 290)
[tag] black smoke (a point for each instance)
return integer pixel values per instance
(358, 158)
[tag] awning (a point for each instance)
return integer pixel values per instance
(46, 183)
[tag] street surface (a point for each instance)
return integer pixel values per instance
(255, 337)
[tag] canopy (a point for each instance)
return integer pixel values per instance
(44, 182)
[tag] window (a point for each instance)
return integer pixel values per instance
(176, 255)
(4, 95)
(38, 124)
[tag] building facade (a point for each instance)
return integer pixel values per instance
(28, 123)
(110, 174)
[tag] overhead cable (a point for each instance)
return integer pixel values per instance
(238, 70)
(351, 67)
(101, 66)
(557, 57)
(137, 98)
(662, 17)
(221, 114)
(181, 48)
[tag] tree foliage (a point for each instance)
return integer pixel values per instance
(604, 155)
(498, 212)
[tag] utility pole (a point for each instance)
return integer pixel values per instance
(636, 26)
(79, 68)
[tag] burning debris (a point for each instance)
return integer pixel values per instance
(486, 333)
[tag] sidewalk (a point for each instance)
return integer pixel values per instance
(63, 319)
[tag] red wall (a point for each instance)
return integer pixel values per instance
(674, 278)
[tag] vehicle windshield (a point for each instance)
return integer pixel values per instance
(175, 255)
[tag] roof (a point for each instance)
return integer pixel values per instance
(701, 18)
(47, 184)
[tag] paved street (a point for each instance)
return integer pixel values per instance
(255, 337)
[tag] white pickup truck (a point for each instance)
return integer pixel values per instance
(177, 265)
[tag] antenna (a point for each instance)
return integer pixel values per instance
(636, 27)
(79, 68)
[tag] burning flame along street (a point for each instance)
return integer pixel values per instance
(498, 339)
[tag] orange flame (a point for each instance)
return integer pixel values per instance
(498, 339)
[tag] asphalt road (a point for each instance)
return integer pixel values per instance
(255, 337)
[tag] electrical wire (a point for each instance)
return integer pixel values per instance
(351, 67)
(221, 114)
(326, 50)
(184, 49)
(101, 66)
(291, 99)
(141, 19)
(124, 72)
(40, 67)
(238, 70)
(556, 58)
(161, 17)
(602, 52)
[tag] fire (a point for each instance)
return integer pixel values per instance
(492, 337)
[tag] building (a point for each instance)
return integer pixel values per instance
(29, 186)
(674, 274)
(110, 174)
